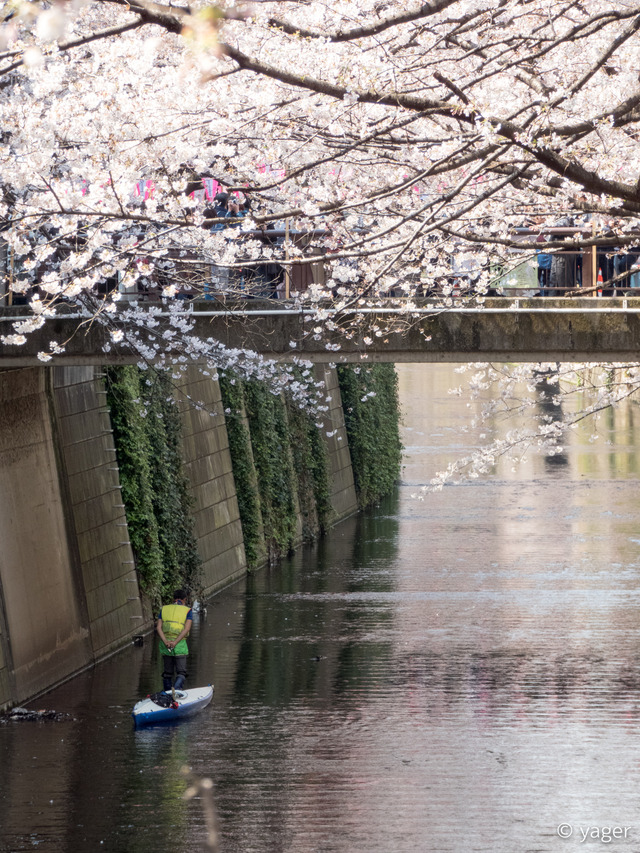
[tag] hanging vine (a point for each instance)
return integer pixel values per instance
(147, 435)
(270, 444)
(279, 458)
(244, 474)
(372, 419)
(311, 463)
(280, 466)
(172, 500)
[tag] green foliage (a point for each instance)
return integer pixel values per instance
(147, 434)
(171, 497)
(311, 463)
(270, 444)
(372, 418)
(244, 474)
(280, 467)
(279, 458)
(133, 452)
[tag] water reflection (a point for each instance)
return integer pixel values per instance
(319, 608)
(453, 674)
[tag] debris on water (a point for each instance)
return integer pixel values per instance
(26, 715)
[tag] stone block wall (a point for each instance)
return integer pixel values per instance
(47, 635)
(68, 587)
(95, 509)
(207, 461)
(343, 493)
(7, 690)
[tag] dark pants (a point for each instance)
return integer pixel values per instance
(171, 663)
(543, 281)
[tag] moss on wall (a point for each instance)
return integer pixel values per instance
(372, 419)
(271, 446)
(147, 435)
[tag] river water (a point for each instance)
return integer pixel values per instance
(457, 673)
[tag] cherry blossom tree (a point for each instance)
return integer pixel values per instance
(405, 137)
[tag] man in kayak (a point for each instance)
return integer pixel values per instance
(174, 623)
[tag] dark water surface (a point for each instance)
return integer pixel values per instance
(453, 674)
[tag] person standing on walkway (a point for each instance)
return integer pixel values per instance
(173, 626)
(544, 269)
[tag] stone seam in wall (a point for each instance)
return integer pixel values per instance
(7, 684)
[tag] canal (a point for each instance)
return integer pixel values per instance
(458, 673)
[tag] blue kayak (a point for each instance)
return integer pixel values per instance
(163, 707)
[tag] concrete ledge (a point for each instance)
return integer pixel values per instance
(503, 329)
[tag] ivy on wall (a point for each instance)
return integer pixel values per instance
(147, 435)
(171, 496)
(279, 458)
(372, 419)
(270, 444)
(232, 391)
(280, 468)
(311, 463)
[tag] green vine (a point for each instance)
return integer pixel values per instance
(311, 463)
(172, 500)
(232, 391)
(280, 467)
(270, 445)
(372, 419)
(279, 458)
(147, 435)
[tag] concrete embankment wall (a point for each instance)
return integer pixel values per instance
(44, 630)
(209, 468)
(93, 503)
(69, 592)
(207, 460)
(343, 493)
(68, 588)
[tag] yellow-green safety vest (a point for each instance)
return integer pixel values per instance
(174, 617)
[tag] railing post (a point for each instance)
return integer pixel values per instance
(287, 269)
